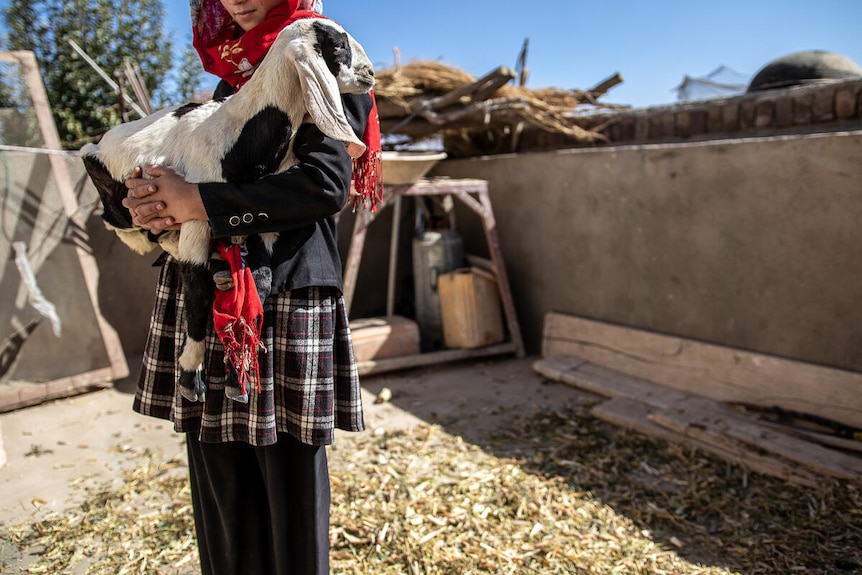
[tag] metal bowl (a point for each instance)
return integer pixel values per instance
(405, 168)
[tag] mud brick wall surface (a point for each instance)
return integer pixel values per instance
(822, 107)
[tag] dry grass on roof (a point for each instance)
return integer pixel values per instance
(419, 77)
(484, 125)
(433, 78)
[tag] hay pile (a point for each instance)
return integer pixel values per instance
(143, 526)
(555, 492)
(406, 97)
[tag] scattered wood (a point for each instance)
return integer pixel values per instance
(422, 99)
(718, 372)
(605, 382)
(136, 81)
(712, 419)
(853, 445)
(729, 432)
(602, 87)
(635, 415)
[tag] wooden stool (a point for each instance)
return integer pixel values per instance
(464, 190)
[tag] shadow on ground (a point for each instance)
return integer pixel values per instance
(710, 511)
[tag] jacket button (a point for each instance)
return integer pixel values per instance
(234, 221)
(247, 218)
(263, 216)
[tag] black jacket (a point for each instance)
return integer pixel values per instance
(300, 204)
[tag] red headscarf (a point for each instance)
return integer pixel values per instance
(229, 53)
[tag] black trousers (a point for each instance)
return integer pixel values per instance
(260, 510)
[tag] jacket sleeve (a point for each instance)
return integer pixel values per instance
(315, 188)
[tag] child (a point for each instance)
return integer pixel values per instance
(259, 476)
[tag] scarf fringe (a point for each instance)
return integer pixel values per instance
(368, 168)
(368, 182)
(238, 319)
(241, 340)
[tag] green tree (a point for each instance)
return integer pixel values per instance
(18, 123)
(190, 75)
(110, 32)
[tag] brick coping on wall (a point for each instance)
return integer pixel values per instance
(827, 106)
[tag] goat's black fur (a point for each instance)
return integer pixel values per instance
(262, 147)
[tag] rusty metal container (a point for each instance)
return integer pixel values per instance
(434, 254)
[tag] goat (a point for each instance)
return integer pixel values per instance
(236, 139)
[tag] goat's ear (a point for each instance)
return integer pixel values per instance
(323, 99)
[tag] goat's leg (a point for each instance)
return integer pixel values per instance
(258, 258)
(259, 261)
(198, 299)
(221, 275)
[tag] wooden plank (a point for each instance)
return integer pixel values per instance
(717, 372)
(709, 418)
(821, 438)
(635, 415)
(596, 379)
(29, 394)
(432, 357)
(658, 410)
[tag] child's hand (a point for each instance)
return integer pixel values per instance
(163, 201)
(142, 209)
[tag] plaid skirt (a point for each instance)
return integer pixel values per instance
(309, 384)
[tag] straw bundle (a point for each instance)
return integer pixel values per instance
(409, 98)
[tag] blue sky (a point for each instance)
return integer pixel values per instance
(578, 43)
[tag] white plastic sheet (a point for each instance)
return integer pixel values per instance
(37, 299)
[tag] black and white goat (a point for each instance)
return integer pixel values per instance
(235, 139)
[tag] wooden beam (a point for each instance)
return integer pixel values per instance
(89, 267)
(602, 87)
(738, 436)
(714, 371)
(710, 421)
(433, 358)
(635, 415)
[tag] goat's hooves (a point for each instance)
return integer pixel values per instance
(192, 386)
(236, 394)
(223, 280)
(192, 395)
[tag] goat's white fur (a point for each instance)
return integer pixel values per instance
(292, 77)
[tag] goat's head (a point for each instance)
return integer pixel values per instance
(329, 62)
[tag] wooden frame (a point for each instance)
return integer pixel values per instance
(463, 190)
(118, 367)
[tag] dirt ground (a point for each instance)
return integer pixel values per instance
(520, 451)
(51, 451)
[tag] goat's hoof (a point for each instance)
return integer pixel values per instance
(236, 394)
(192, 386)
(223, 280)
(263, 282)
(192, 395)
